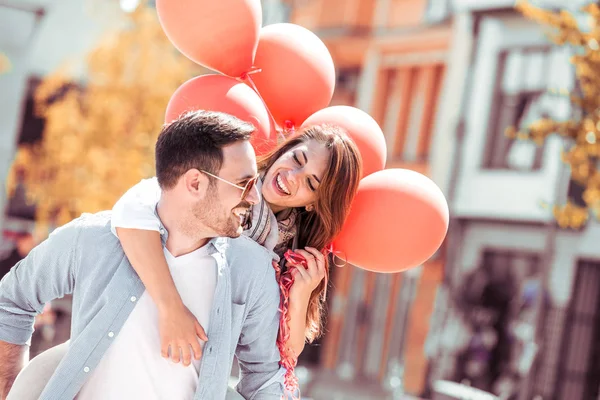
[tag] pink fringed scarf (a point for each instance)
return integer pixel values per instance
(289, 359)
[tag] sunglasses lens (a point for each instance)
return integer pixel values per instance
(249, 186)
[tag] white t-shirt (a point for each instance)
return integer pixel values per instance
(133, 367)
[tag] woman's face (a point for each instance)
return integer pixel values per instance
(294, 178)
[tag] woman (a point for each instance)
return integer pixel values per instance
(307, 185)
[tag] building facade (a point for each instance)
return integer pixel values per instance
(518, 313)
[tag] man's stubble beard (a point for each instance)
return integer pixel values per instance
(207, 215)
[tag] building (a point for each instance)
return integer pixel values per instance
(519, 309)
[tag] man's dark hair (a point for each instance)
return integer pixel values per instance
(196, 140)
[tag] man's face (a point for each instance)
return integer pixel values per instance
(222, 209)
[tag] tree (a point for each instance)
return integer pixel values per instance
(4, 63)
(99, 134)
(582, 131)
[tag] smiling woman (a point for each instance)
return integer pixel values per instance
(294, 177)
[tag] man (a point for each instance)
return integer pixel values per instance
(203, 161)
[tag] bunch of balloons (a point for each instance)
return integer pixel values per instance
(281, 78)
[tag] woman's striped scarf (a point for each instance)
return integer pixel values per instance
(278, 240)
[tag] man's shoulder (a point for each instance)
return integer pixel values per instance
(88, 226)
(252, 272)
(249, 260)
(248, 250)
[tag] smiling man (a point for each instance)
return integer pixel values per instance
(206, 169)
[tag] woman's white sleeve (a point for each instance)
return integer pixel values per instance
(136, 209)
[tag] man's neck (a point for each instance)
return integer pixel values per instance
(178, 242)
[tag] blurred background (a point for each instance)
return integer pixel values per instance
(510, 305)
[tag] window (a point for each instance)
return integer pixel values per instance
(520, 98)
(346, 86)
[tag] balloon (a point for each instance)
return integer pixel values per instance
(297, 74)
(363, 129)
(221, 35)
(225, 94)
(398, 220)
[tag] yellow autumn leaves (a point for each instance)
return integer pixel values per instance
(100, 133)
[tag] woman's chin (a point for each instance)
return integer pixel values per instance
(269, 196)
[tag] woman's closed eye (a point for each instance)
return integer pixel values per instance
(297, 160)
(309, 182)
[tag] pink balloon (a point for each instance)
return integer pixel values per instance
(363, 129)
(225, 94)
(297, 74)
(399, 219)
(220, 34)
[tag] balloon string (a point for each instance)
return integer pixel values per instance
(339, 254)
(247, 78)
(288, 357)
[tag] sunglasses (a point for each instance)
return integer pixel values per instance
(245, 189)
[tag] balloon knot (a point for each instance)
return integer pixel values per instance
(288, 125)
(252, 71)
(337, 254)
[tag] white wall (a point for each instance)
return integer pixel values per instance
(504, 194)
(69, 30)
(443, 144)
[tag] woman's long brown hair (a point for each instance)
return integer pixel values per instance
(318, 228)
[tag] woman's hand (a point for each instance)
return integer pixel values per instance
(307, 279)
(180, 330)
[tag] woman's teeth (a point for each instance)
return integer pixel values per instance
(282, 186)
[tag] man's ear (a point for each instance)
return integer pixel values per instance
(196, 183)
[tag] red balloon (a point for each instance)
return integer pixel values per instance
(225, 94)
(399, 219)
(297, 74)
(221, 35)
(363, 129)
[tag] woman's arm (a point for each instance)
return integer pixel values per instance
(136, 224)
(297, 312)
